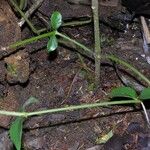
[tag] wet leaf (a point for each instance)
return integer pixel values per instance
(52, 43)
(126, 92)
(145, 94)
(56, 20)
(15, 132)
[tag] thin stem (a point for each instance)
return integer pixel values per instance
(75, 42)
(70, 108)
(76, 23)
(34, 6)
(97, 42)
(119, 61)
(33, 39)
(26, 19)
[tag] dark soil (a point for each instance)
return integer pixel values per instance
(60, 79)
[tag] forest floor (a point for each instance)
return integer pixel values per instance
(60, 79)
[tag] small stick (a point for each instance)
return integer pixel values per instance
(30, 11)
(97, 42)
(146, 31)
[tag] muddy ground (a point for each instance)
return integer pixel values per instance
(60, 79)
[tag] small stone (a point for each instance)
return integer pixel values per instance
(18, 67)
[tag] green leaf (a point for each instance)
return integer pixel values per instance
(123, 92)
(145, 94)
(15, 132)
(52, 43)
(31, 100)
(56, 20)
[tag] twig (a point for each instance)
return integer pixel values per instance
(26, 19)
(70, 87)
(97, 42)
(145, 112)
(30, 11)
(146, 31)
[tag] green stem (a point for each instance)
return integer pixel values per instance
(97, 42)
(74, 41)
(76, 23)
(26, 19)
(33, 39)
(119, 61)
(70, 108)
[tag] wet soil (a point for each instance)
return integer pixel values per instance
(60, 79)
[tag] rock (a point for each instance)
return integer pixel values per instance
(18, 67)
(5, 143)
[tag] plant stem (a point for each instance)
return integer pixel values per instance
(97, 42)
(30, 11)
(135, 71)
(75, 42)
(33, 39)
(70, 108)
(76, 23)
(26, 19)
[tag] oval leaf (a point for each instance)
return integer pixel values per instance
(52, 44)
(56, 20)
(145, 94)
(123, 92)
(15, 132)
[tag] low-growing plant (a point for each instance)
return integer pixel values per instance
(127, 94)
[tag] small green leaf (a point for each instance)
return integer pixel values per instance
(52, 43)
(123, 92)
(145, 94)
(56, 20)
(15, 132)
